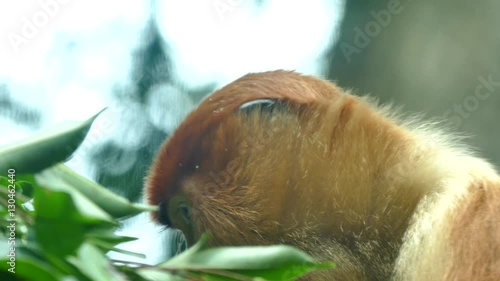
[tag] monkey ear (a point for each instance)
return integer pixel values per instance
(262, 105)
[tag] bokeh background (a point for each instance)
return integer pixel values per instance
(150, 62)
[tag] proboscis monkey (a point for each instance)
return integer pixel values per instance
(279, 157)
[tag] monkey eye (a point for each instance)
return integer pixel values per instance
(265, 105)
(185, 212)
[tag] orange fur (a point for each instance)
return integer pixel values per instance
(336, 176)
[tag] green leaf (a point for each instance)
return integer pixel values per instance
(26, 188)
(256, 257)
(156, 274)
(61, 224)
(58, 228)
(130, 272)
(94, 264)
(108, 235)
(110, 202)
(59, 237)
(107, 240)
(285, 273)
(31, 265)
(104, 246)
(29, 269)
(44, 149)
(51, 186)
(269, 262)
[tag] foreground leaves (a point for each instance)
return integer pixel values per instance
(44, 149)
(241, 263)
(63, 177)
